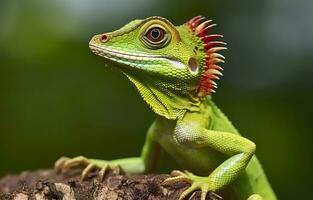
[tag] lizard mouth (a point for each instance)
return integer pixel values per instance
(138, 60)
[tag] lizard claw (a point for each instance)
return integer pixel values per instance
(196, 183)
(74, 162)
(58, 165)
(177, 173)
(64, 163)
(88, 169)
(102, 172)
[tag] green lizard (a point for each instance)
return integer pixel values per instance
(173, 68)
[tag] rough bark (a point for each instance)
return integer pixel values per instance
(47, 184)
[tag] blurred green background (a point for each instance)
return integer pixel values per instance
(56, 98)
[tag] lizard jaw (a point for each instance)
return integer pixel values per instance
(137, 60)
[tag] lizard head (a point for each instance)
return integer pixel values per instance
(172, 67)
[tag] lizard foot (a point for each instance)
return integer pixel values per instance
(64, 163)
(197, 183)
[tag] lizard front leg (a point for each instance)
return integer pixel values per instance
(135, 165)
(237, 147)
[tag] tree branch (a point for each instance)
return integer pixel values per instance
(47, 184)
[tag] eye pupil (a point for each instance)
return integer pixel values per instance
(155, 33)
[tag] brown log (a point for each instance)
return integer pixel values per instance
(48, 184)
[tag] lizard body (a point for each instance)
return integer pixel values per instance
(174, 68)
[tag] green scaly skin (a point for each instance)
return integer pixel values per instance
(166, 66)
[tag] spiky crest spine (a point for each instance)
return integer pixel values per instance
(211, 71)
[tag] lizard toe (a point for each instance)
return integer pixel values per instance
(74, 162)
(88, 169)
(59, 164)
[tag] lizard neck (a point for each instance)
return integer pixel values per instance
(165, 101)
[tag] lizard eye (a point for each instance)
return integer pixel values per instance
(155, 37)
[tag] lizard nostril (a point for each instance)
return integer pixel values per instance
(104, 38)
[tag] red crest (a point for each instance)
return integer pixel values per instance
(200, 26)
